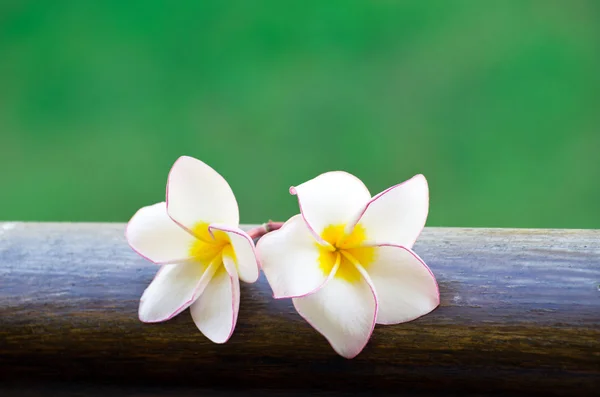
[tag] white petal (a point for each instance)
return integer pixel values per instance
(289, 258)
(245, 253)
(406, 288)
(197, 193)
(174, 288)
(153, 235)
(215, 312)
(332, 198)
(342, 312)
(398, 214)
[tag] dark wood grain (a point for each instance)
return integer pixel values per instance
(519, 314)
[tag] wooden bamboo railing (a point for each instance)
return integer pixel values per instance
(519, 314)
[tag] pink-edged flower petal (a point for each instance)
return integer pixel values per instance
(153, 235)
(197, 193)
(396, 215)
(289, 258)
(406, 288)
(215, 312)
(246, 260)
(343, 312)
(331, 198)
(174, 288)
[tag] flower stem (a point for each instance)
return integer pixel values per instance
(263, 229)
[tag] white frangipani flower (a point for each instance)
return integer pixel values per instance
(195, 238)
(347, 261)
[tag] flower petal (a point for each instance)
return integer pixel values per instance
(174, 288)
(289, 258)
(197, 193)
(215, 312)
(396, 215)
(331, 198)
(246, 261)
(406, 288)
(153, 235)
(344, 313)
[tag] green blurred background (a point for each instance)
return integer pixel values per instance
(496, 102)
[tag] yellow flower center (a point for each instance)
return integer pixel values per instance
(208, 248)
(347, 250)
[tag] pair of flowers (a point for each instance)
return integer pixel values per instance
(346, 260)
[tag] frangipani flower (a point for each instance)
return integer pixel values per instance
(347, 261)
(195, 238)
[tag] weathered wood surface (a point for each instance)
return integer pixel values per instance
(519, 314)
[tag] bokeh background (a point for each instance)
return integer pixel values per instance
(496, 102)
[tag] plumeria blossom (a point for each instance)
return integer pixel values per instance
(347, 259)
(195, 238)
